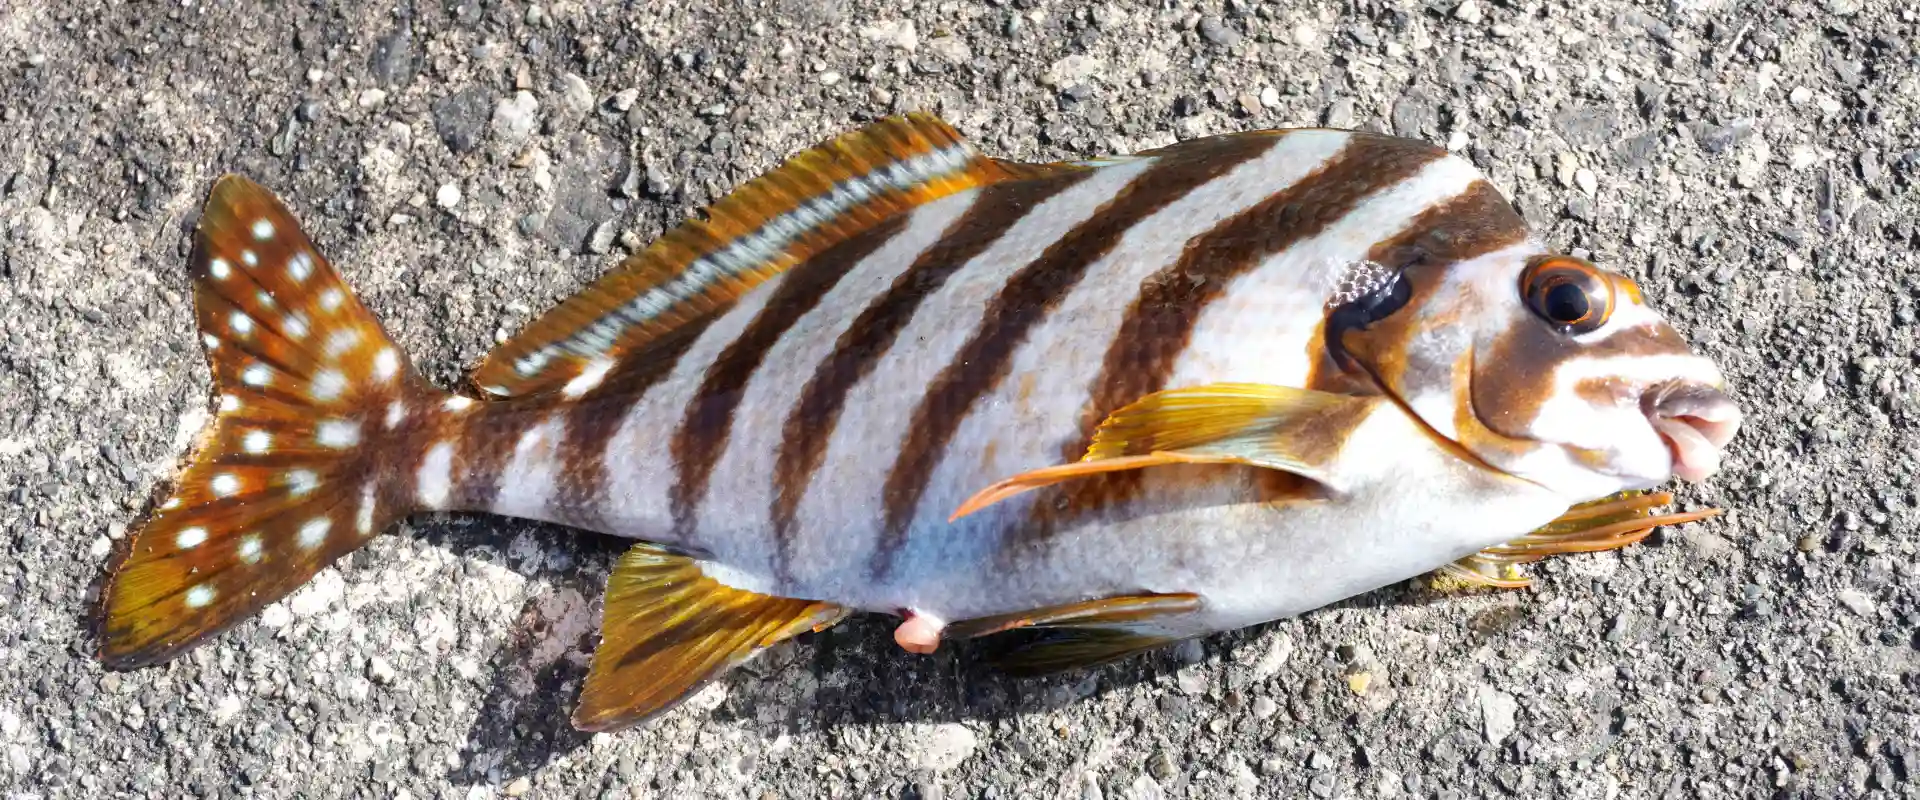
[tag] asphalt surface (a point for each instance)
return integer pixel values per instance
(466, 165)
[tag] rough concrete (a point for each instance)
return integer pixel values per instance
(467, 164)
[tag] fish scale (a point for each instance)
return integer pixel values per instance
(1123, 401)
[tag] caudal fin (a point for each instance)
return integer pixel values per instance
(311, 397)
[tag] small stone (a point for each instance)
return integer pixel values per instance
(1580, 207)
(897, 34)
(1216, 31)
(1269, 97)
(520, 786)
(1264, 707)
(1856, 601)
(372, 97)
(532, 223)
(1360, 682)
(829, 78)
(1587, 181)
(623, 100)
(1800, 95)
(461, 118)
(1497, 710)
(1468, 12)
(1457, 141)
(1161, 765)
(946, 747)
(1192, 681)
(513, 117)
(448, 196)
(1340, 113)
(380, 671)
(1249, 105)
(1802, 157)
(1319, 760)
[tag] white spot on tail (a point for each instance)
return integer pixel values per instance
(341, 341)
(219, 269)
(209, 340)
(256, 375)
(296, 327)
(266, 300)
(262, 229)
(250, 548)
(257, 441)
(300, 266)
(200, 596)
(314, 532)
(241, 323)
(229, 404)
(386, 364)
(172, 503)
(587, 379)
(338, 433)
(248, 258)
(435, 479)
(328, 384)
(364, 523)
(396, 414)
(224, 485)
(458, 404)
(302, 481)
(190, 538)
(331, 299)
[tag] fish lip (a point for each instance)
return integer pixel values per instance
(1696, 421)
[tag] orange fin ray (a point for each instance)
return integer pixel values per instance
(816, 199)
(1610, 523)
(668, 630)
(1275, 427)
(281, 483)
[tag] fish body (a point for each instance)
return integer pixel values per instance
(1129, 400)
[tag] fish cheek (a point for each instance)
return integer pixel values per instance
(1511, 379)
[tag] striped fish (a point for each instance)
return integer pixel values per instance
(1117, 402)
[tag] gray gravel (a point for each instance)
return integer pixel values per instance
(468, 164)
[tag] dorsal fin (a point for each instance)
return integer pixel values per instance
(816, 199)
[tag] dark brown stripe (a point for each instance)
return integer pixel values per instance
(804, 438)
(580, 493)
(708, 421)
(483, 439)
(1159, 327)
(1027, 299)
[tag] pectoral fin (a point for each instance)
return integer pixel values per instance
(1299, 431)
(1079, 635)
(669, 629)
(1609, 523)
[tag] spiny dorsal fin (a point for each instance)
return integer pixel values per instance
(288, 477)
(818, 198)
(668, 629)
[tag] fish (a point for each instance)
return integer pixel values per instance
(1110, 404)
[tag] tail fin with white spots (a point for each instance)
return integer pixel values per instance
(312, 399)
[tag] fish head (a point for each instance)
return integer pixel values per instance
(1543, 366)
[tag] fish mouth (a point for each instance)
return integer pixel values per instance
(1696, 421)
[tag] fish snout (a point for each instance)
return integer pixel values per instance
(1696, 421)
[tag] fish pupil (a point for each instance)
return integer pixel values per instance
(1567, 304)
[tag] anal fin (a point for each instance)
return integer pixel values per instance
(1080, 635)
(1609, 523)
(668, 629)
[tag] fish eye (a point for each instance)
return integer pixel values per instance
(1568, 293)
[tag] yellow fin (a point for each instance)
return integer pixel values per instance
(293, 471)
(1079, 635)
(668, 629)
(818, 198)
(1293, 430)
(1609, 523)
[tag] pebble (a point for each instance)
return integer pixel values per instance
(947, 746)
(623, 100)
(1497, 710)
(1264, 707)
(461, 118)
(1857, 601)
(513, 117)
(1468, 12)
(1218, 32)
(519, 787)
(372, 97)
(448, 196)
(1586, 180)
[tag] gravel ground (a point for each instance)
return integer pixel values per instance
(468, 164)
